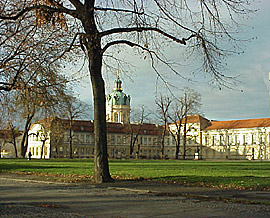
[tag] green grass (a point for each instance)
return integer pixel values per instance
(229, 174)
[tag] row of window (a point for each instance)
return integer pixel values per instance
(80, 137)
(235, 139)
(32, 138)
(120, 139)
(76, 151)
(144, 140)
(36, 151)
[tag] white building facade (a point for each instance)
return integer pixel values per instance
(236, 139)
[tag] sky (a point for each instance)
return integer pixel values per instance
(247, 99)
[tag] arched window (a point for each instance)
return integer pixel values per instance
(116, 118)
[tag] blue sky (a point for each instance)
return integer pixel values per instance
(225, 104)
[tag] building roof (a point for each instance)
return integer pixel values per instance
(144, 129)
(118, 97)
(193, 119)
(46, 122)
(238, 124)
(203, 122)
(88, 126)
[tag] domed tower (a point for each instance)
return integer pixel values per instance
(118, 104)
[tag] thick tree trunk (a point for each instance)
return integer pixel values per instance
(70, 141)
(102, 173)
(92, 42)
(12, 129)
(15, 145)
(163, 142)
(42, 149)
(185, 141)
(24, 142)
(177, 152)
(177, 149)
(131, 145)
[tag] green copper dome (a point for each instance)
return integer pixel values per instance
(118, 97)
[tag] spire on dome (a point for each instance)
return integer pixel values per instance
(117, 73)
(117, 83)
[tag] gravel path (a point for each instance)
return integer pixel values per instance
(21, 197)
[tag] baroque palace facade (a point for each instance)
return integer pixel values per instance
(234, 139)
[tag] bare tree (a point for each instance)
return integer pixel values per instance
(8, 121)
(163, 104)
(187, 105)
(75, 109)
(176, 116)
(28, 108)
(9, 135)
(43, 136)
(138, 117)
(14, 134)
(58, 127)
(98, 26)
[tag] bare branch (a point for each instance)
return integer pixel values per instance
(172, 19)
(118, 10)
(68, 49)
(142, 29)
(131, 44)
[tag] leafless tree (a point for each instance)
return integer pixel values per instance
(163, 104)
(58, 127)
(14, 131)
(9, 135)
(8, 120)
(203, 27)
(138, 117)
(43, 136)
(187, 105)
(74, 109)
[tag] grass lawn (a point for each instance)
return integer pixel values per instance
(225, 174)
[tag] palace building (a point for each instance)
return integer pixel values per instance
(205, 139)
(54, 137)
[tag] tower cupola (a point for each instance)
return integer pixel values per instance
(118, 104)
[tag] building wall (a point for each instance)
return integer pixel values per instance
(244, 143)
(7, 147)
(35, 137)
(118, 113)
(146, 145)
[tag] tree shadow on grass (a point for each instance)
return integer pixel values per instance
(11, 167)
